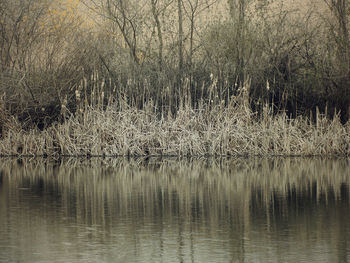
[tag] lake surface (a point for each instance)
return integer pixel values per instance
(153, 210)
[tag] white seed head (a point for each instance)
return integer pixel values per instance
(77, 94)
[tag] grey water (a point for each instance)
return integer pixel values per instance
(170, 210)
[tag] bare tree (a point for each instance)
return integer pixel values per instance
(191, 12)
(193, 9)
(339, 10)
(339, 29)
(20, 31)
(126, 20)
(238, 10)
(126, 15)
(155, 14)
(180, 34)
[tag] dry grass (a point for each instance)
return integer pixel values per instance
(211, 130)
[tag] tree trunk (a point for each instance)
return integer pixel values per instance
(180, 20)
(159, 32)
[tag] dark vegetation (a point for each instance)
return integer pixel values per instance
(297, 61)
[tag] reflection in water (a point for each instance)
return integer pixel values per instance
(118, 210)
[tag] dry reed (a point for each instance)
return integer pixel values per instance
(213, 129)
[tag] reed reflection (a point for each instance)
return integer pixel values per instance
(184, 210)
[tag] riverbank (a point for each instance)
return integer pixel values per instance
(231, 130)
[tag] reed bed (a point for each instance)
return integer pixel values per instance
(212, 129)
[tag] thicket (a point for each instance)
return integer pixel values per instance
(167, 53)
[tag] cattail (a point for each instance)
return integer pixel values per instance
(77, 96)
(64, 107)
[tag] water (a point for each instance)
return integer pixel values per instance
(151, 210)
